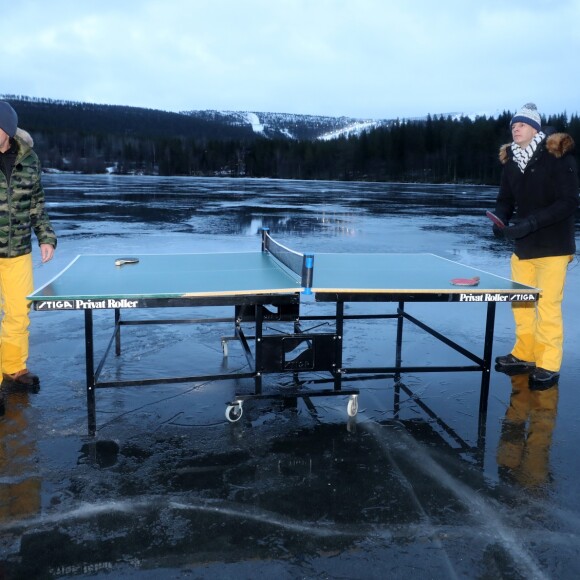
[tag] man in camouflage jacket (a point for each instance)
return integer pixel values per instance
(22, 209)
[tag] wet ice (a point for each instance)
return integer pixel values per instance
(297, 491)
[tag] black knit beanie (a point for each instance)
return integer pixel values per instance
(8, 119)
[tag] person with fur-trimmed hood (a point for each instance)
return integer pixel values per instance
(22, 210)
(539, 195)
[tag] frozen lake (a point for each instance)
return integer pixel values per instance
(168, 488)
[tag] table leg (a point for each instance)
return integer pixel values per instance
(339, 329)
(118, 331)
(486, 373)
(90, 372)
(399, 346)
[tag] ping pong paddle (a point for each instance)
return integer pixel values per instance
(499, 223)
(123, 261)
(465, 281)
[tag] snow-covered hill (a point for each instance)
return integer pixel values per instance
(304, 127)
(291, 126)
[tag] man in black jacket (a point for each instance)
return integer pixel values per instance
(540, 183)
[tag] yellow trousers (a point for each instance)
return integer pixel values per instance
(15, 284)
(526, 433)
(539, 326)
(20, 485)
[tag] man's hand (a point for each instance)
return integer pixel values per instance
(520, 228)
(497, 231)
(46, 252)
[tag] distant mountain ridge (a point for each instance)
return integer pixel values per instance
(309, 127)
(292, 126)
(55, 115)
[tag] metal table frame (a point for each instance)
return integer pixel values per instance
(267, 356)
(480, 363)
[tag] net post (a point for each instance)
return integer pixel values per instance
(264, 234)
(307, 273)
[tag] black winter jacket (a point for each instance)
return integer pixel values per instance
(547, 191)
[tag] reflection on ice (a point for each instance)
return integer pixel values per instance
(118, 197)
(523, 453)
(375, 494)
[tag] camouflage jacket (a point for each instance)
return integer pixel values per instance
(22, 206)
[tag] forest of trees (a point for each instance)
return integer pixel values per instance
(91, 138)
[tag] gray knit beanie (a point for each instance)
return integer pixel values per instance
(528, 114)
(8, 119)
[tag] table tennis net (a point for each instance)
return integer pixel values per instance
(300, 264)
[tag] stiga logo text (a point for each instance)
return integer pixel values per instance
(86, 304)
(495, 297)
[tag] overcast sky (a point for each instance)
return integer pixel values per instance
(376, 59)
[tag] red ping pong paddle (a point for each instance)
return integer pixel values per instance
(499, 223)
(465, 281)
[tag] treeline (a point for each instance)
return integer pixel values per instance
(95, 138)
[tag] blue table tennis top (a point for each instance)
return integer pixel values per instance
(412, 273)
(169, 276)
(162, 276)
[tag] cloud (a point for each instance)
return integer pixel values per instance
(363, 58)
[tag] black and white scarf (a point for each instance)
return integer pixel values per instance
(523, 156)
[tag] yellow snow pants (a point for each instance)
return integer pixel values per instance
(539, 326)
(526, 433)
(15, 284)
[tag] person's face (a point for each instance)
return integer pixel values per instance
(4, 141)
(522, 134)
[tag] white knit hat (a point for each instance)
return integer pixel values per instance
(528, 114)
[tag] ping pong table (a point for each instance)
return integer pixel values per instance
(267, 286)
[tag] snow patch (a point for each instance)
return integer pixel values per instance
(254, 121)
(353, 129)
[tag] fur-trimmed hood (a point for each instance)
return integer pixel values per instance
(25, 136)
(557, 144)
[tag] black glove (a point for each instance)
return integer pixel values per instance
(497, 232)
(520, 228)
